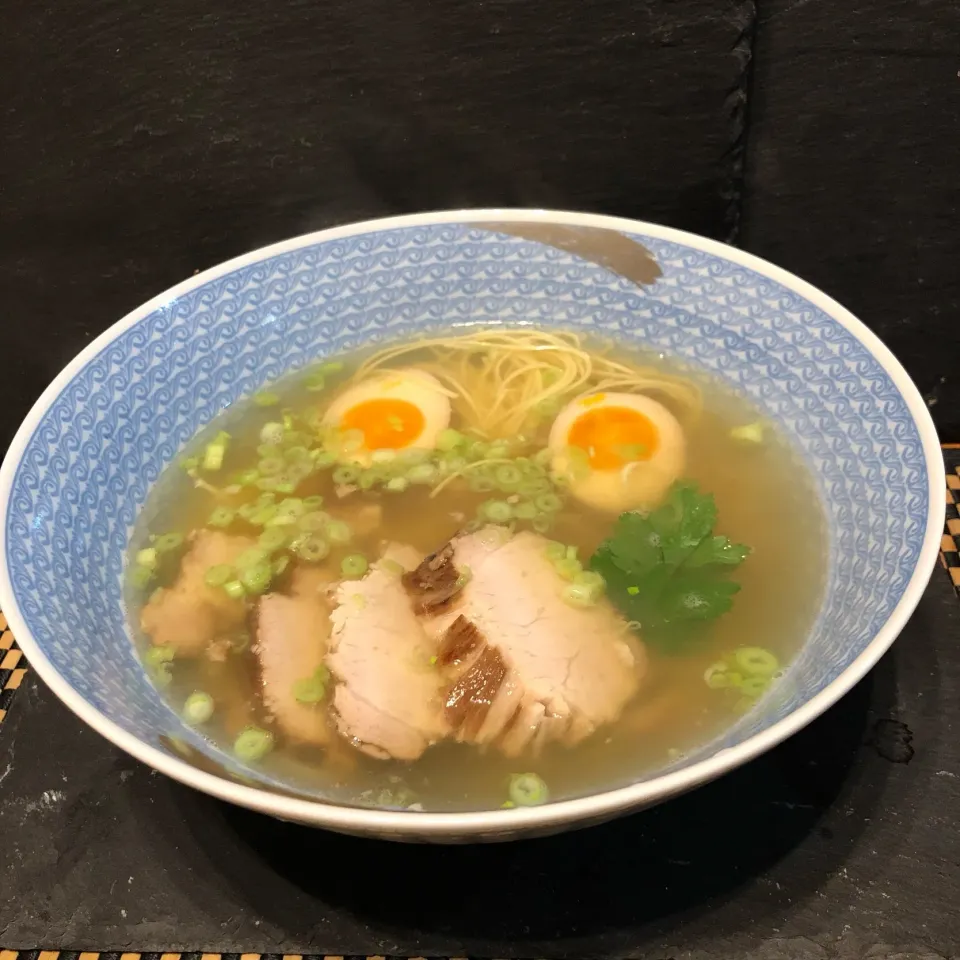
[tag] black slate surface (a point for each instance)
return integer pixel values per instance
(840, 843)
(851, 170)
(140, 144)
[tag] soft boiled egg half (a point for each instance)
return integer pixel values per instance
(619, 451)
(400, 410)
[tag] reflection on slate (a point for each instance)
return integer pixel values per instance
(608, 248)
(821, 838)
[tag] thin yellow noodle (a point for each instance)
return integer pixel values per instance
(498, 380)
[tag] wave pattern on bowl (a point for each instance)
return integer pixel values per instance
(108, 435)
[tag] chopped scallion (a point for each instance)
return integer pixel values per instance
(528, 790)
(221, 517)
(354, 566)
(168, 542)
(198, 707)
(253, 744)
(256, 578)
(234, 590)
(215, 451)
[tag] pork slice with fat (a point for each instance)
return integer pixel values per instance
(528, 668)
(189, 615)
(387, 696)
(292, 635)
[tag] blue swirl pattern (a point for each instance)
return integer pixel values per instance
(123, 418)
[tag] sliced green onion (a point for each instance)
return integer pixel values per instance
(528, 790)
(422, 473)
(162, 653)
(497, 511)
(580, 595)
(280, 564)
(168, 542)
(234, 590)
(339, 532)
(141, 576)
(354, 566)
(246, 478)
(633, 591)
(190, 464)
(482, 484)
(717, 676)
(256, 578)
(215, 451)
(147, 557)
(508, 476)
(198, 707)
(568, 568)
(750, 433)
(315, 382)
(525, 510)
(221, 517)
(449, 439)
(271, 434)
(271, 466)
(555, 551)
(397, 484)
(541, 524)
(298, 454)
(273, 538)
(312, 689)
(754, 686)
(346, 474)
(263, 514)
(548, 503)
(219, 575)
(756, 662)
(311, 548)
(313, 521)
(266, 398)
(253, 744)
(331, 367)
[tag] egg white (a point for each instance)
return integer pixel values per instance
(639, 485)
(417, 387)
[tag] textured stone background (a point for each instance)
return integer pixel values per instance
(140, 144)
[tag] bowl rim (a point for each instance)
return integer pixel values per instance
(495, 822)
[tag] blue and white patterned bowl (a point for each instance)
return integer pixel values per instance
(81, 465)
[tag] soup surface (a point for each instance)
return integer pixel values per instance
(498, 567)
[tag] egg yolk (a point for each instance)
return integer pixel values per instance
(386, 424)
(614, 436)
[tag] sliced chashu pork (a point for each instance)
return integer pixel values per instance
(189, 615)
(387, 700)
(292, 637)
(526, 667)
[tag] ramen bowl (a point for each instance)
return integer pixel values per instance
(81, 465)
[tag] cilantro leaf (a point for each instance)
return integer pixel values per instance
(666, 571)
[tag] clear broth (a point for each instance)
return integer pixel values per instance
(765, 498)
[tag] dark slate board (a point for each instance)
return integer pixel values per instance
(842, 841)
(852, 158)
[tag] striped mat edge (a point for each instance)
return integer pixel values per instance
(194, 955)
